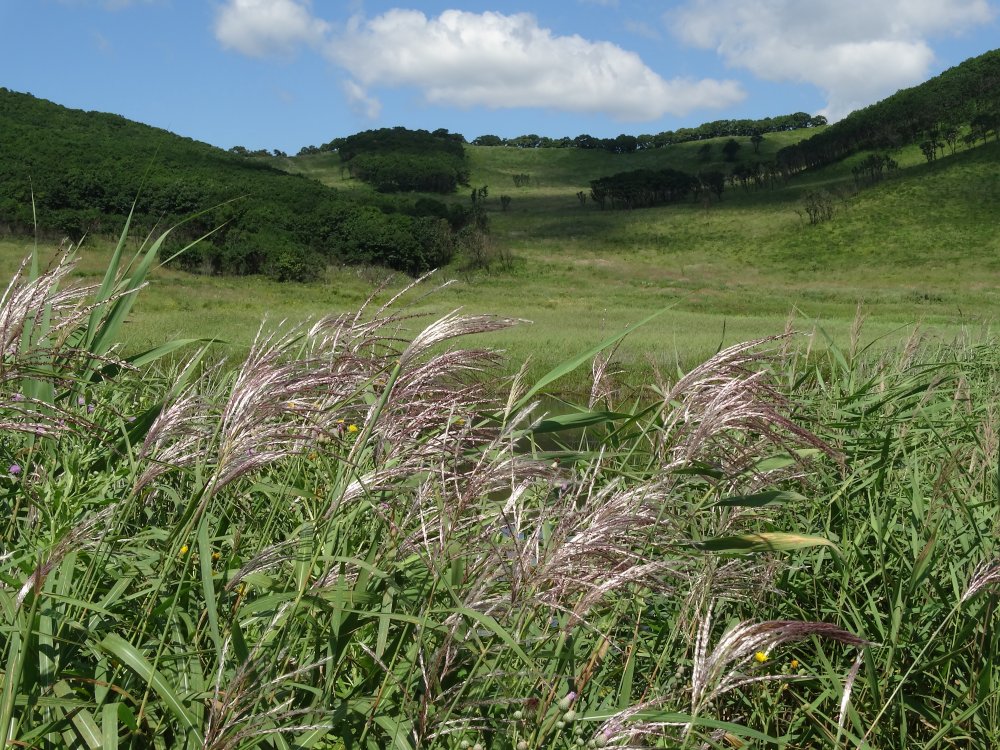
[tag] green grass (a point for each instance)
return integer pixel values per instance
(920, 249)
(343, 540)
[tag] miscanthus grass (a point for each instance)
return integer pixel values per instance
(349, 539)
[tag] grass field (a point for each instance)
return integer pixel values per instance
(922, 249)
(342, 540)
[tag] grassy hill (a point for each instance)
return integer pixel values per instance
(919, 248)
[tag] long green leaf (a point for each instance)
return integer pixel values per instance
(569, 365)
(129, 655)
(577, 420)
(766, 541)
(83, 722)
(760, 499)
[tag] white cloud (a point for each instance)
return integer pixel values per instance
(261, 28)
(361, 102)
(855, 51)
(102, 43)
(499, 61)
(641, 28)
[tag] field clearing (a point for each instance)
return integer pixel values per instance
(921, 251)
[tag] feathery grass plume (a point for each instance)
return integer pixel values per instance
(709, 412)
(716, 672)
(268, 557)
(597, 540)
(602, 378)
(33, 307)
(451, 326)
(845, 699)
(985, 575)
(177, 438)
(249, 704)
(86, 534)
(30, 416)
(629, 728)
(266, 416)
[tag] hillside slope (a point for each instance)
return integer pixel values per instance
(961, 104)
(83, 170)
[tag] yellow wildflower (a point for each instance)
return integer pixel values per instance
(794, 664)
(184, 549)
(760, 656)
(216, 556)
(352, 428)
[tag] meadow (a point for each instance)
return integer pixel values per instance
(358, 527)
(348, 538)
(919, 250)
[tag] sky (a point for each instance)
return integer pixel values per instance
(283, 74)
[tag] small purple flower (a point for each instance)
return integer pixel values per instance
(14, 470)
(18, 397)
(80, 400)
(90, 408)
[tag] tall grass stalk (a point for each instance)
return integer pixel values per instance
(348, 539)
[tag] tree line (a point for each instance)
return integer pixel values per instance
(625, 144)
(646, 188)
(621, 144)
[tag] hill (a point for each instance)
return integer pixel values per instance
(961, 103)
(903, 250)
(84, 170)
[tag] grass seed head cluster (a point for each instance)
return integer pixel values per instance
(348, 538)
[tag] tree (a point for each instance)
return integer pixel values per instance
(731, 149)
(818, 206)
(714, 182)
(756, 139)
(705, 152)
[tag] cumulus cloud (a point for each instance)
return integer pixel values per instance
(494, 60)
(855, 51)
(641, 28)
(263, 28)
(361, 102)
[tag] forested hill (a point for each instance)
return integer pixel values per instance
(85, 169)
(963, 103)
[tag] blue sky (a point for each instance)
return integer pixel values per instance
(289, 73)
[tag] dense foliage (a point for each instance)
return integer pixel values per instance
(643, 188)
(84, 170)
(965, 98)
(396, 159)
